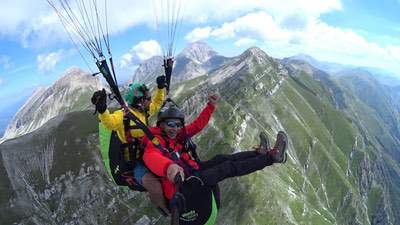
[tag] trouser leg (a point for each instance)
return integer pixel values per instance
(153, 186)
(231, 168)
(220, 158)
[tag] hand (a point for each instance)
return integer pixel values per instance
(173, 170)
(213, 97)
(99, 99)
(161, 82)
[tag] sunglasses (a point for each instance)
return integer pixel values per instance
(173, 123)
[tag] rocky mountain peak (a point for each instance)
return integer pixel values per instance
(256, 52)
(76, 76)
(148, 70)
(199, 52)
(296, 66)
(69, 93)
(245, 63)
(195, 60)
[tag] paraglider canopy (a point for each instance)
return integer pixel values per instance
(168, 16)
(86, 23)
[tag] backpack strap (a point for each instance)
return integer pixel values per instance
(190, 146)
(176, 157)
(130, 142)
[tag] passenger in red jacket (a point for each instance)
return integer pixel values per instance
(172, 159)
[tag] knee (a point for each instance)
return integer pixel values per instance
(151, 182)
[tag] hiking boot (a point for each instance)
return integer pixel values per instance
(264, 144)
(278, 153)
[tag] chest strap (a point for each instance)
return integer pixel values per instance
(176, 157)
(133, 144)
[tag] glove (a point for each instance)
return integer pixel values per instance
(99, 99)
(213, 97)
(161, 82)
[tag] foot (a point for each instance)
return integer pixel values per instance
(264, 144)
(278, 153)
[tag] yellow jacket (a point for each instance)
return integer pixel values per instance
(115, 121)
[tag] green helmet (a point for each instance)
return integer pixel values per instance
(135, 92)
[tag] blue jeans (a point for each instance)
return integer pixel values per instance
(140, 170)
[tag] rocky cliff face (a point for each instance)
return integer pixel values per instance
(342, 166)
(71, 92)
(149, 70)
(55, 175)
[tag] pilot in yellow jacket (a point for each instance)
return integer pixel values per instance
(142, 105)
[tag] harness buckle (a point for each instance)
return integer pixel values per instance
(175, 155)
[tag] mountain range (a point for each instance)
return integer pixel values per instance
(195, 60)
(337, 69)
(343, 156)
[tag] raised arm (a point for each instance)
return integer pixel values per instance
(156, 101)
(202, 120)
(112, 121)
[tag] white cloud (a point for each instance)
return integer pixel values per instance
(15, 15)
(211, 10)
(140, 52)
(347, 47)
(198, 34)
(394, 51)
(284, 36)
(5, 62)
(245, 42)
(36, 25)
(258, 24)
(47, 62)
(1, 81)
(286, 27)
(22, 68)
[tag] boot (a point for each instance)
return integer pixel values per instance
(264, 144)
(278, 153)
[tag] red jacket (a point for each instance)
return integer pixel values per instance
(158, 161)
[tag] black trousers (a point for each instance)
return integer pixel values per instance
(224, 166)
(200, 197)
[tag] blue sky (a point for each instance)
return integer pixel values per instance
(35, 50)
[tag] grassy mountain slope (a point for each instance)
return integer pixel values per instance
(56, 176)
(342, 166)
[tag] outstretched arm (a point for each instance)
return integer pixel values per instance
(202, 120)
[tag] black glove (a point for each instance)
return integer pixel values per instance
(161, 82)
(99, 99)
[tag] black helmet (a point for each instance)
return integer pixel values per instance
(170, 111)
